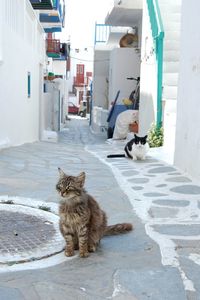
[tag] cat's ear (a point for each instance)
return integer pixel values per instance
(145, 136)
(81, 179)
(62, 174)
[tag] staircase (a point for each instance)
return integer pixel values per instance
(171, 17)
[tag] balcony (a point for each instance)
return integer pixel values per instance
(124, 13)
(42, 4)
(102, 32)
(56, 49)
(109, 35)
(53, 20)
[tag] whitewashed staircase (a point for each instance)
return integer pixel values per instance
(171, 17)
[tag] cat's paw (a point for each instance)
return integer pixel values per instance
(83, 254)
(92, 248)
(69, 253)
(134, 158)
(143, 158)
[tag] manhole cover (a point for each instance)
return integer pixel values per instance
(28, 234)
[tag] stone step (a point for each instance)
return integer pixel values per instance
(170, 2)
(172, 26)
(171, 55)
(170, 79)
(175, 17)
(170, 9)
(171, 45)
(171, 17)
(169, 93)
(172, 35)
(170, 67)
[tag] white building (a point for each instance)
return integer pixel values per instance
(113, 65)
(23, 65)
(187, 145)
(174, 100)
(22, 61)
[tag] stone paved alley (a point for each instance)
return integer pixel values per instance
(159, 260)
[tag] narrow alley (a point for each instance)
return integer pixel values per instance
(158, 260)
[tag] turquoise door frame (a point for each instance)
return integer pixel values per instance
(158, 37)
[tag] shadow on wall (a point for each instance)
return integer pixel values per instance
(146, 113)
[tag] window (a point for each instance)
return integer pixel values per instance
(29, 84)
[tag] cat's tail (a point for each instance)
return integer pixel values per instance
(118, 228)
(115, 155)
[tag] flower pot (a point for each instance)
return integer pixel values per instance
(133, 127)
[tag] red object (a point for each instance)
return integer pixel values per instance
(53, 46)
(72, 108)
(88, 74)
(49, 36)
(133, 127)
(80, 73)
(78, 83)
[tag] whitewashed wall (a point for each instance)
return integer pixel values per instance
(62, 85)
(187, 146)
(22, 50)
(124, 62)
(148, 93)
(100, 78)
(59, 67)
(130, 3)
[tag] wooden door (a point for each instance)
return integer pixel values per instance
(80, 73)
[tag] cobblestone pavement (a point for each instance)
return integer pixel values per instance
(159, 260)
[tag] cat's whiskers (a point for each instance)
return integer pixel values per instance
(68, 196)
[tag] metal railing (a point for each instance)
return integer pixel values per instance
(102, 32)
(158, 36)
(56, 49)
(53, 45)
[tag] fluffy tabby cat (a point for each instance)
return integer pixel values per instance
(82, 222)
(135, 149)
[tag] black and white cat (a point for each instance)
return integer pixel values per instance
(136, 148)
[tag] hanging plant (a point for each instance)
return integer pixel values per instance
(155, 136)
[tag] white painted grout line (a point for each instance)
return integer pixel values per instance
(38, 264)
(141, 204)
(30, 202)
(195, 258)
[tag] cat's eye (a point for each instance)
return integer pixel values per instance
(58, 187)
